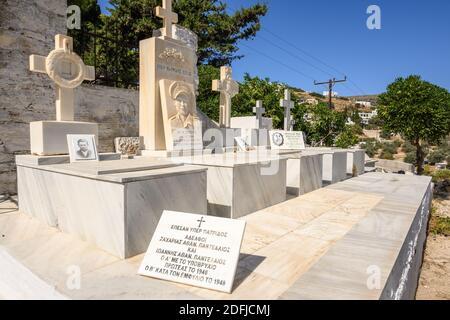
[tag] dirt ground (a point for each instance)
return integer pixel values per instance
(434, 282)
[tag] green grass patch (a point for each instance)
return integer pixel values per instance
(440, 226)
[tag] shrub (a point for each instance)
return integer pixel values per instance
(441, 175)
(408, 147)
(397, 143)
(389, 148)
(410, 157)
(386, 155)
(427, 170)
(436, 156)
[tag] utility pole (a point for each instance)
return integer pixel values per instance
(331, 84)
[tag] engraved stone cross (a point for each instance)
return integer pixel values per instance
(259, 110)
(287, 104)
(67, 70)
(169, 17)
(228, 88)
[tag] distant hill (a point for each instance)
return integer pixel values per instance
(340, 103)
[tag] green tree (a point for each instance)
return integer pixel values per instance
(208, 101)
(418, 110)
(218, 31)
(270, 93)
(348, 137)
(323, 126)
(90, 22)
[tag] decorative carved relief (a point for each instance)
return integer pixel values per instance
(172, 55)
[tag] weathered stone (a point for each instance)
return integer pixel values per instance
(127, 145)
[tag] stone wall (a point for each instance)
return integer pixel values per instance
(26, 27)
(115, 110)
(29, 27)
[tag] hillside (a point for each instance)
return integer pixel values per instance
(340, 103)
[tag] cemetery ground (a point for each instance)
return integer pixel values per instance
(434, 281)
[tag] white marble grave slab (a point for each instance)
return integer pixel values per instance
(334, 167)
(356, 159)
(241, 183)
(117, 212)
(304, 174)
(201, 251)
(49, 137)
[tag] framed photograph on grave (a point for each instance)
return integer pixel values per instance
(182, 127)
(82, 147)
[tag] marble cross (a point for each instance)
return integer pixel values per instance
(287, 104)
(292, 123)
(259, 110)
(228, 88)
(169, 17)
(67, 70)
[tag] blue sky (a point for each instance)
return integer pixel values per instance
(414, 39)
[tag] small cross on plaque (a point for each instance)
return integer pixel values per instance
(201, 221)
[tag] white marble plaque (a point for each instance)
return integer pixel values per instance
(286, 140)
(197, 250)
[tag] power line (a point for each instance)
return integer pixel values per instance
(299, 58)
(303, 60)
(279, 62)
(312, 57)
(331, 84)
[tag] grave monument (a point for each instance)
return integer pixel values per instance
(168, 119)
(68, 71)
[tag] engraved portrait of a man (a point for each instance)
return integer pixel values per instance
(83, 151)
(183, 99)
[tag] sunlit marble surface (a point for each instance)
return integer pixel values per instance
(356, 157)
(242, 183)
(304, 174)
(316, 246)
(117, 212)
(334, 163)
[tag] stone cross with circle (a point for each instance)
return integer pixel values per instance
(67, 70)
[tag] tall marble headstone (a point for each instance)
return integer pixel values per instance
(166, 63)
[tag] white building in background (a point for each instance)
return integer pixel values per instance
(333, 94)
(366, 116)
(366, 104)
(312, 101)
